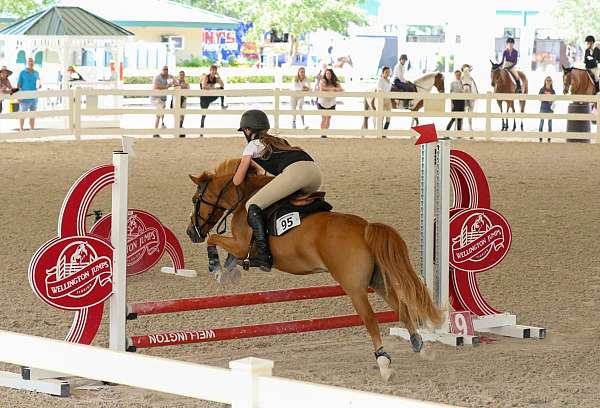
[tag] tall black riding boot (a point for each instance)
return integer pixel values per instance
(262, 259)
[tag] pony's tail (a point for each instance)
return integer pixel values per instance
(391, 255)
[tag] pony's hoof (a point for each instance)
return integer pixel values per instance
(214, 267)
(416, 342)
(386, 371)
(235, 275)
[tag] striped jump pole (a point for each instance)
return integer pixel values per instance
(241, 299)
(259, 330)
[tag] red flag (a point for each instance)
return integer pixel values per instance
(427, 133)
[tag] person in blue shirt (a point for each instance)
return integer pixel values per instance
(29, 80)
(510, 57)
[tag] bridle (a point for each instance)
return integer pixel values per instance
(199, 222)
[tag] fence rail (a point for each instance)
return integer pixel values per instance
(79, 105)
(247, 384)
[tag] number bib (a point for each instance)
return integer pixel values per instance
(287, 222)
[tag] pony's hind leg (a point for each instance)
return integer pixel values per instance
(360, 300)
(416, 342)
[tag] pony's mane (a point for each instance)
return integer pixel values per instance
(230, 166)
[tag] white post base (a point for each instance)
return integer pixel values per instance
(450, 339)
(188, 273)
(505, 324)
(31, 373)
(59, 388)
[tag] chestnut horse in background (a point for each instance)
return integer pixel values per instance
(356, 253)
(503, 83)
(577, 81)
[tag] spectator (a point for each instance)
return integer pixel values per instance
(73, 75)
(546, 106)
(182, 83)
(297, 102)
(29, 80)
(211, 81)
(329, 83)
(458, 105)
(5, 85)
(162, 81)
(385, 85)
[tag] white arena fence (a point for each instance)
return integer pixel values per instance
(248, 382)
(103, 112)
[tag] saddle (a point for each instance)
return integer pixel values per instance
(289, 212)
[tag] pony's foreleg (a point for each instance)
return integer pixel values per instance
(502, 118)
(471, 105)
(237, 249)
(514, 119)
(522, 103)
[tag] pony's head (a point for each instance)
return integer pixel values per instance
(567, 78)
(214, 196)
(495, 73)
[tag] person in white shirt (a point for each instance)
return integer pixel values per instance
(385, 85)
(329, 83)
(297, 102)
(399, 71)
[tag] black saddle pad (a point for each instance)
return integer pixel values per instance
(284, 216)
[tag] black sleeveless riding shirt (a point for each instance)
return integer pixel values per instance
(280, 159)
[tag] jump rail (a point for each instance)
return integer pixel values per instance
(241, 299)
(258, 330)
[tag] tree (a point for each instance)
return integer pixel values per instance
(296, 17)
(578, 18)
(22, 8)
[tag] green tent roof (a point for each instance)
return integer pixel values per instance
(65, 21)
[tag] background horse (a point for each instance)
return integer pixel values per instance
(423, 84)
(503, 83)
(577, 81)
(356, 253)
(469, 86)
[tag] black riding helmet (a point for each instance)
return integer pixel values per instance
(254, 119)
(510, 40)
(590, 38)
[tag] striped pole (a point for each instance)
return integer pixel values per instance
(259, 330)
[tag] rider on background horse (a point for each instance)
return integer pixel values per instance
(591, 58)
(510, 57)
(293, 168)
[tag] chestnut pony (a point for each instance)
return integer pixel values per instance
(356, 253)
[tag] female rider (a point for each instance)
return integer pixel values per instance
(293, 168)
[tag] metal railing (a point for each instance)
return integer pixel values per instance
(80, 104)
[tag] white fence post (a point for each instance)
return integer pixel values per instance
(277, 97)
(75, 117)
(118, 300)
(488, 111)
(246, 372)
(597, 118)
(379, 112)
(177, 110)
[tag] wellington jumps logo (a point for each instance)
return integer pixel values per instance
(480, 239)
(73, 273)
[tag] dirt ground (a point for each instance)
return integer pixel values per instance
(550, 278)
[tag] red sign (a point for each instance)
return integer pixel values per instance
(461, 323)
(479, 239)
(146, 239)
(73, 273)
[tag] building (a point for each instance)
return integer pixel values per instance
(161, 27)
